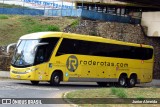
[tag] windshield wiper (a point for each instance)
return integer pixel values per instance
(16, 59)
(20, 55)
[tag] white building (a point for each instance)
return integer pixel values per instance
(152, 21)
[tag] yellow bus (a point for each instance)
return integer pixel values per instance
(59, 56)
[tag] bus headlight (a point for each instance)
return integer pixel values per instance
(32, 69)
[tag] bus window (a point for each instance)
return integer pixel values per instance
(44, 52)
(40, 57)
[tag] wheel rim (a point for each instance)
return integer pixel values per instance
(132, 81)
(122, 82)
(56, 79)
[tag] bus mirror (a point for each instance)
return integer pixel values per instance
(8, 47)
(39, 44)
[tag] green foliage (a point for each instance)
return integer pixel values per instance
(15, 26)
(3, 17)
(41, 28)
(31, 24)
(35, 26)
(119, 92)
(75, 23)
(53, 28)
(140, 97)
(28, 20)
(113, 90)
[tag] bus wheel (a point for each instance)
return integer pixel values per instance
(122, 81)
(55, 79)
(132, 81)
(102, 84)
(35, 82)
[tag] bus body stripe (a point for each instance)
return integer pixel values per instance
(74, 79)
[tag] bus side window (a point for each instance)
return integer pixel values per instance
(40, 57)
(68, 46)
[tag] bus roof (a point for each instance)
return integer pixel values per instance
(39, 35)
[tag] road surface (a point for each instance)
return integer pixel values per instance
(24, 89)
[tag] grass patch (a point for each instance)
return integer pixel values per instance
(3, 17)
(113, 90)
(14, 26)
(75, 23)
(96, 93)
(140, 97)
(119, 92)
(53, 28)
(111, 93)
(34, 25)
(28, 20)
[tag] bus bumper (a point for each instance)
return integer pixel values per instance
(22, 75)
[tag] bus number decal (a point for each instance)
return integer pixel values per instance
(72, 63)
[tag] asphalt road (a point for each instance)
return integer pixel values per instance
(24, 89)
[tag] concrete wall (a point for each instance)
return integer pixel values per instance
(152, 21)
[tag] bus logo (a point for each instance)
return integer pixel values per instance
(72, 63)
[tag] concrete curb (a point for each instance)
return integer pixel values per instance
(69, 102)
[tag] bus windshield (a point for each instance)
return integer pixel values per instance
(24, 55)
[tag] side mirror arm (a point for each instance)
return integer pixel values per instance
(8, 47)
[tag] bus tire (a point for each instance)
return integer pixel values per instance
(122, 82)
(102, 84)
(35, 82)
(132, 81)
(55, 79)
